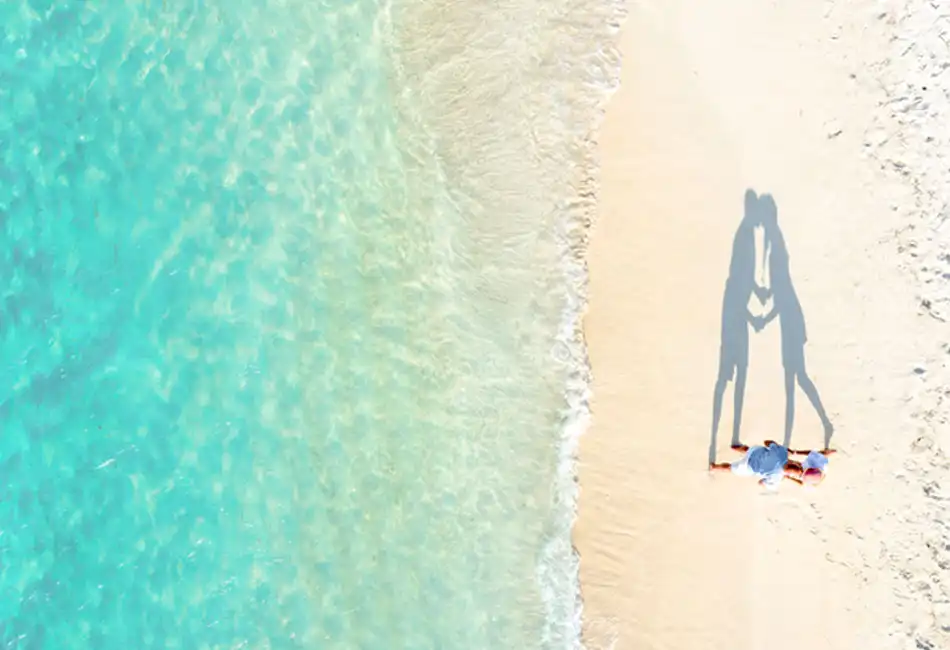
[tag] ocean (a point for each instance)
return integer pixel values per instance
(290, 350)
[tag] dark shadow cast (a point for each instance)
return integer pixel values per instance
(736, 318)
(787, 308)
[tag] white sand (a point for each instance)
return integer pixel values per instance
(822, 105)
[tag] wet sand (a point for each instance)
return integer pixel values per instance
(715, 100)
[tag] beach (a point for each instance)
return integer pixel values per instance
(403, 324)
(800, 102)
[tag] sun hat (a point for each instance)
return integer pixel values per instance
(815, 465)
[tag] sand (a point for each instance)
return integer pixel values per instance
(814, 103)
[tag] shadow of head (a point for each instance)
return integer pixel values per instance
(778, 253)
(751, 202)
(767, 212)
(742, 262)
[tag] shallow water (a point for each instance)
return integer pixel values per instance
(262, 382)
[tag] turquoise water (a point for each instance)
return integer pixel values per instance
(248, 398)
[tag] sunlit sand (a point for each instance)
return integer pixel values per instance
(800, 102)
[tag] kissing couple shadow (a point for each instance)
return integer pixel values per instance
(761, 211)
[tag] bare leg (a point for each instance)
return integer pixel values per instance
(738, 396)
(789, 404)
(717, 413)
(722, 467)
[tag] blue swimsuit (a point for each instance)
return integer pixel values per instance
(767, 460)
(768, 463)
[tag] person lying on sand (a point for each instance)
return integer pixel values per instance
(771, 464)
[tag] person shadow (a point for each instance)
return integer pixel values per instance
(788, 309)
(736, 319)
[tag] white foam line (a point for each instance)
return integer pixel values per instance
(605, 75)
(558, 558)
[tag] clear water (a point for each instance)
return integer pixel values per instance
(253, 390)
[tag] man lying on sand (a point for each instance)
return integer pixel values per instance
(771, 464)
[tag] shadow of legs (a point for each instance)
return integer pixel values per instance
(718, 393)
(808, 387)
(789, 405)
(829, 431)
(738, 396)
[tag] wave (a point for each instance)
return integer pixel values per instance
(500, 106)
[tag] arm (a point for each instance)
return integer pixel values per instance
(762, 293)
(766, 443)
(791, 452)
(763, 482)
(757, 322)
(801, 452)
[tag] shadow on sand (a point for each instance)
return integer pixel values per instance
(737, 319)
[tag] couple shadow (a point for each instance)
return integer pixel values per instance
(741, 285)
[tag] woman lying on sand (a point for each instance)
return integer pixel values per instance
(771, 464)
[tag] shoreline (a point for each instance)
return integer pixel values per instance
(502, 123)
(671, 557)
